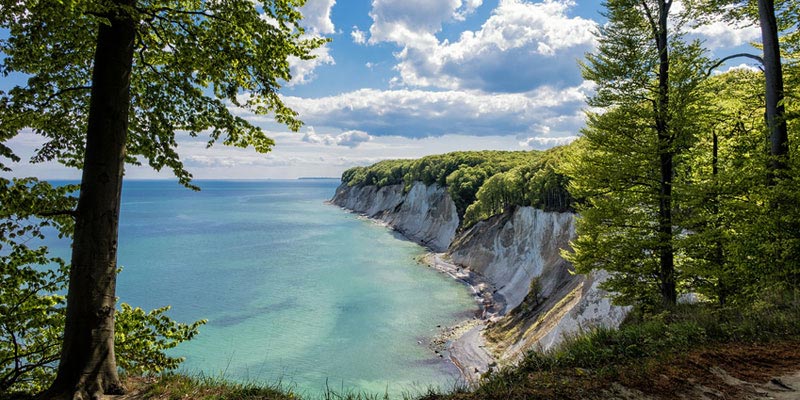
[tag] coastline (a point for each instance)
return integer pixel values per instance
(463, 342)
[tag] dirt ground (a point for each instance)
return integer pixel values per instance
(732, 371)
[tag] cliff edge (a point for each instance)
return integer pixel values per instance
(424, 214)
(515, 255)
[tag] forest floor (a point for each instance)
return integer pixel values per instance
(732, 371)
(723, 371)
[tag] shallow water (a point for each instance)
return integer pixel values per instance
(294, 290)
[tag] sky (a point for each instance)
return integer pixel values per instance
(408, 78)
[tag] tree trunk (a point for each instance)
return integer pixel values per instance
(718, 257)
(773, 74)
(88, 367)
(666, 155)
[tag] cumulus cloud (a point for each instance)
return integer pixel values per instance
(317, 16)
(718, 33)
(313, 137)
(359, 36)
(743, 66)
(467, 8)
(317, 21)
(351, 138)
(520, 47)
(722, 34)
(409, 21)
(420, 113)
(544, 143)
(304, 71)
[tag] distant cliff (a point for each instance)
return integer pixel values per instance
(425, 214)
(517, 252)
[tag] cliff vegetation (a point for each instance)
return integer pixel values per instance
(481, 183)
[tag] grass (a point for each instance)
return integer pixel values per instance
(173, 386)
(588, 362)
(649, 354)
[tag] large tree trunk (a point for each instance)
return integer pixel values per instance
(88, 367)
(773, 74)
(666, 155)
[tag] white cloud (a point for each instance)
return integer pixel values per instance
(722, 34)
(718, 33)
(351, 138)
(420, 113)
(359, 36)
(467, 8)
(317, 16)
(304, 71)
(743, 66)
(317, 21)
(408, 21)
(312, 137)
(520, 47)
(544, 143)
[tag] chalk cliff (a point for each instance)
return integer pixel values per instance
(425, 214)
(518, 253)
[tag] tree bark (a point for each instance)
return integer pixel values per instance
(88, 367)
(666, 156)
(718, 257)
(773, 74)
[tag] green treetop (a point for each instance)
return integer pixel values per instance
(111, 82)
(646, 108)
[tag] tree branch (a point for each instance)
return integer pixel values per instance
(50, 98)
(650, 19)
(720, 62)
(168, 10)
(55, 213)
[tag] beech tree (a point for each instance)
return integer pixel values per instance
(111, 82)
(768, 16)
(775, 232)
(647, 100)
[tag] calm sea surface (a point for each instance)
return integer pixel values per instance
(294, 290)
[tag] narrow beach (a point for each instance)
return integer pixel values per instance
(464, 342)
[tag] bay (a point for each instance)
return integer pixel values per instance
(295, 290)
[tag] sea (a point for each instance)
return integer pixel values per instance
(297, 292)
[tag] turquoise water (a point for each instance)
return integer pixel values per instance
(294, 290)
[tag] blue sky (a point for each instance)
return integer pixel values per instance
(407, 78)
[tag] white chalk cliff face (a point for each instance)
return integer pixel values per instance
(426, 214)
(510, 251)
(516, 247)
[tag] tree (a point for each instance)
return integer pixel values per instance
(773, 231)
(773, 76)
(31, 311)
(647, 93)
(725, 175)
(112, 81)
(765, 12)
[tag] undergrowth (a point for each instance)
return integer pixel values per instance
(581, 367)
(603, 353)
(178, 386)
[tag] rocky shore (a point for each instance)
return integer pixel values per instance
(463, 342)
(529, 296)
